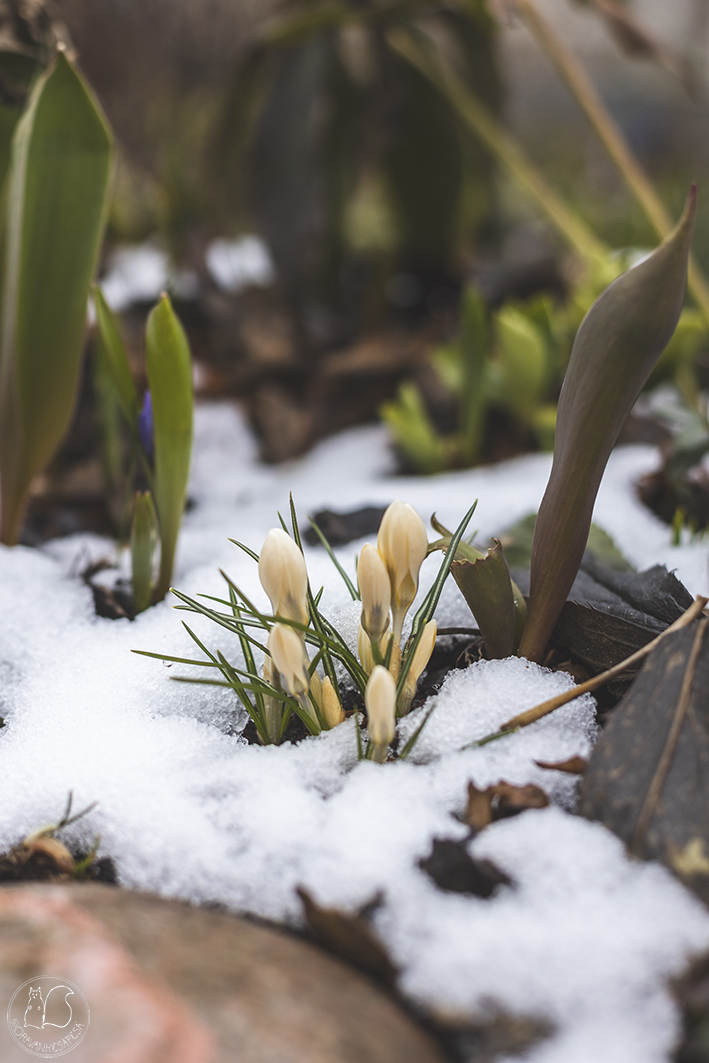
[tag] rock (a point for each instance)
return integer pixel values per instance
(169, 983)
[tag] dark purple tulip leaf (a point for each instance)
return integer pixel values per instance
(617, 345)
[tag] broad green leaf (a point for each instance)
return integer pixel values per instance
(544, 425)
(473, 352)
(108, 416)
(520, 369)
(116, 358)
(517, 542)
(143, 539)
(59, 173)
(169, 367)
(487, 588)
(617, 346)
(408, 421)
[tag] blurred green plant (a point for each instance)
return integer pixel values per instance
(339, 147)
(160, 439)
(617, 346)
(678, 491)
(513, 359)
(52, 221)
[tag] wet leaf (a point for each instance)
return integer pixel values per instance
(604, 619)
(616, 347)
(648, 776)
(574, 765)
(509, 800)
(454, 870)
(349, 936)
(486, 586)
(499, 802)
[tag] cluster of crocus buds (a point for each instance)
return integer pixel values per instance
(284, 578)
(388, 577)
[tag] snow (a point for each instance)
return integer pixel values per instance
(234, 264)
(139, 273)
(584, 938)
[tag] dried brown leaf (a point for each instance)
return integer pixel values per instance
(478, 810)
(574, 765)
(509, 800)
(648, 777)
(349, 936)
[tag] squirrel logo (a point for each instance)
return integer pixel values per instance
(38, 1009)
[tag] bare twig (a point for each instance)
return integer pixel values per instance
(610, 135)
(532, 715)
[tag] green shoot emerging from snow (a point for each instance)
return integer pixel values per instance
(290, 657)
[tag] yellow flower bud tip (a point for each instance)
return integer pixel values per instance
(284, 577)
(332, 710)
(380, 702)
(419, 662)
(402, 543)
(289, 657)
(423, 651)
(375, 590)
(364, 648)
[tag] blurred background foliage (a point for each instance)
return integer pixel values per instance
(403, 254)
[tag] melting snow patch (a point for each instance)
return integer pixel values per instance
(584, 937)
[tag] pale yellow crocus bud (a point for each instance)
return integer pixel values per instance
(284, 577)
(375, 591)
(330, 706)
(364, 648)
(380, 702)
(402, 544)
(290, 660)
(421, 658)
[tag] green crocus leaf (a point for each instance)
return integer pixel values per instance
(59, 173)
(169, 367)
(143, 538)
(617, 345)
(116, 359)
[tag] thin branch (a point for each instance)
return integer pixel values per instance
(610, 135)
(532, 715)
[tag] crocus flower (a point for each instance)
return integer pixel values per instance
(290, 659)
(380, 702)
(327, 699)
(402, 543)
(420, 660)
(375, 590)
(146, 428)
(283, 576)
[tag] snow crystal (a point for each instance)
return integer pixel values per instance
(584, 938)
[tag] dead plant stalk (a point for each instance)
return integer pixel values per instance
(536, 713)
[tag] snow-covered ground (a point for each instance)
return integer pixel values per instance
(584, 937)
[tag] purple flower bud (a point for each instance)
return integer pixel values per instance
(146, 429)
